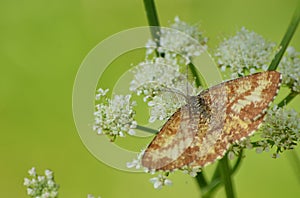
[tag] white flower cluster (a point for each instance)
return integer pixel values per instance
(191, 171)
(246, 52)
(167, 102)
(159, 80)
(160, 181)
(280, 130)
(163, 106)
(114, 117)
(236, 148)
(181, 38)
(152, 76)
(41, 186)
(290, 69)
(162, 85)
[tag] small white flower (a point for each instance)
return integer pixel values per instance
(53, 194)
(102, 92)
(49, 174)
(30, 191)
(45, 195)
(168, 182)
(27, 182)
(160, 181)
(41, 178)
(131, 132)
(32, 172)
(156, 182)
(50, 183)
(136, 163)
(192, 171)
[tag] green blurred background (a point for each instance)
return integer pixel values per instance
(42, 44)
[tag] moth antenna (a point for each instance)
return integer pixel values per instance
(176, 91)
(187, 78)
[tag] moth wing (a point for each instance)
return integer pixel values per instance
(247, 100)
(236, 108)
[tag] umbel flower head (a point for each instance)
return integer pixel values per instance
(246, 52)
(114, 117)
(182, 39)
(151, 76)
(41, 186)
(280, 130)
(290, 68)
(163, 86)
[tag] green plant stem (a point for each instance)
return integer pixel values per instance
(216, 179)
(201, 180)
(286, 38)
(146, 129)
(202, 183)
(238, 162)
(287, 99)
(226, 177)
(153, 20)
(198, 78)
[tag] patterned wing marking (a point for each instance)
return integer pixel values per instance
(256, 93)
(235, 109)
(173, 140)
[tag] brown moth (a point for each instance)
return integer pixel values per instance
(201, 131)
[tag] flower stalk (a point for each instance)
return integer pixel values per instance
(286, 38)
(153, 20)
(226, 177)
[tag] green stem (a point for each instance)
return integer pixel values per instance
(287, 99)
(286, 38)
(146, 129)
(238, 162)
(226, 177)
(201, 180)
(198, 78)
(153, 20)
(216, 179)
(202, 183)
